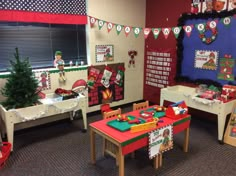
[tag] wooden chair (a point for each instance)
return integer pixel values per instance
(109, 147)
(139, 106)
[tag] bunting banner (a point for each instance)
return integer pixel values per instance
(100, 24)
(166, 32)
(119, 28)
(92, 21)
(201, 27)
(176, 31)
(109, 26)
(127, 30)
(146, 32)
(188, 29)
(137, 31)
(156, 32)
(226, 21)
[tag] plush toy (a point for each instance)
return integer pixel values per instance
(131, 54)
(232, 4)
(219, 5)
(209, 6)
(59, 63)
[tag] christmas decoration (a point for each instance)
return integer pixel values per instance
(107, 96)
(59, 63)
(226, 68)
(92, 77)
(79, 87)
(208, 40)
(21, 87)
(131, 54)
(106, 76)
(120, 76)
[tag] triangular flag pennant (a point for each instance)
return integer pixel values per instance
(109, 26)
(166, 32)
(137, 31)
(100, 24)
(212, 24)
(119, 28)
(127, 30)
(226, 21)
(176, 31)
(92, 21)
(201, 27)
(146, 32)
(156, 32)
(188, 29)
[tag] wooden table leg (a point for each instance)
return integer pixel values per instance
(156, 162)
(121, 163)
(160, 159)
(92, 146)
(186, 140)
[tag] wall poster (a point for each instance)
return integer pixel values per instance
(160, 140)
(44, 81)
(104, 53)
(109, 85)
(206, 59)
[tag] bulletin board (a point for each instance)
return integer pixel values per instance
(223, 47)
(110, 90)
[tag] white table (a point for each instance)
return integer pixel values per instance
(40, 112)
(188, 94)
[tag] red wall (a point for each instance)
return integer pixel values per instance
(162, 14)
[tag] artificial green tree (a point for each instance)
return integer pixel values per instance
(20, 89)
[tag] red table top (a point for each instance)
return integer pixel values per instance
(124, 137)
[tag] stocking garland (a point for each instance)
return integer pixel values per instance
(106, 76)
(120, 76)
(93, 75)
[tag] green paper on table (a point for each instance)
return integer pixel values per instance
(123, 126)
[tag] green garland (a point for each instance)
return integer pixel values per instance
(208, 40)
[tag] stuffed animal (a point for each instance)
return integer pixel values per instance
(131, 54)
(232, 4)
(219, 5)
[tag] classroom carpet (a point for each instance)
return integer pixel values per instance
(62, 149)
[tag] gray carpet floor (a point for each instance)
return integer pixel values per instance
(61, 149)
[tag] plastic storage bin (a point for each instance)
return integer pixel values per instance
(5, 150)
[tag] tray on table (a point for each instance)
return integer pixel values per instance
(156, 114)
(123, 126)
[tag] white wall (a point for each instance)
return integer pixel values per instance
(125, 12)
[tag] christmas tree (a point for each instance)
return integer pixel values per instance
(20, 89)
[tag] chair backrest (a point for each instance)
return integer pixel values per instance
(142, 105)
(110, 114)
(105, 108)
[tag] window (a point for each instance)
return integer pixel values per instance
(39, 41)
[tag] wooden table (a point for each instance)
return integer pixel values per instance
(128, 142)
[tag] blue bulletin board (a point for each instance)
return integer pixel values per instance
(223, 45)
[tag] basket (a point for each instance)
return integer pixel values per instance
(6, 150)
